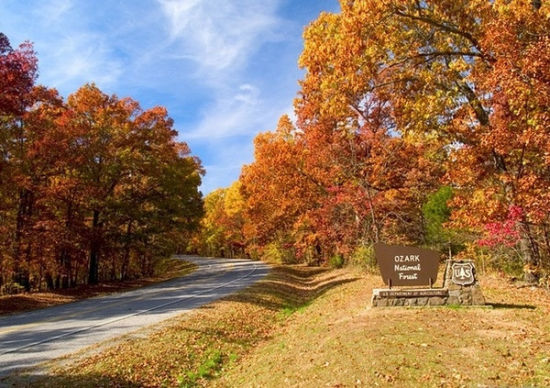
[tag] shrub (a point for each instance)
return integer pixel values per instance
(435, 213)
(363, 256)
(11, 288)
(275, 253)
(336, 261)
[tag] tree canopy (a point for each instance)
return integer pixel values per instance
(399, 99)
(92, 188)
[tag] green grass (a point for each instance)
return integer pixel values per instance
(290, 309)
(454, 306)
(206, 370)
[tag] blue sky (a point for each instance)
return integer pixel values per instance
(224, 69)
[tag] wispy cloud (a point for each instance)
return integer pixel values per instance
(218, 34)
(223, 39)
(81, 58)
(52, 12)
(233, 113)
(224, 68)
(71, 48)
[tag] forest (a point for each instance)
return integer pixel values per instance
(417, 122)
(92, 188)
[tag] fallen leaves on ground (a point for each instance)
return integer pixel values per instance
(340, 340)
(196, 348)
(307, 327)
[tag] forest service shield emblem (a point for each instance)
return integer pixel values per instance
(463, 274)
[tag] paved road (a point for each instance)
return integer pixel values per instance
(29, 339)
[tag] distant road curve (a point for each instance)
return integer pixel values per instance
(29, 339)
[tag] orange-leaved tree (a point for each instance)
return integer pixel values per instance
(467, 79)
(279, 191)
(92, 189)
(221, 232)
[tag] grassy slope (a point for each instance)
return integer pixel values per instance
(311, 327)
(167, 269)
(337, 341)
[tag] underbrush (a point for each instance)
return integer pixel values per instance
(20, 302)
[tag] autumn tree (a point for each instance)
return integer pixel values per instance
(332, 187)
(221, 232)
(279, 192)
(18, 71)
(136, 176)
(460, 77)
(376, 175)
(506, 162)
(93, 189)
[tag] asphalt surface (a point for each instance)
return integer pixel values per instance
(29, 339)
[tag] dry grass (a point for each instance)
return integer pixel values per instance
(313, 327)
(10, 304)
(339, 341)
(197, 347)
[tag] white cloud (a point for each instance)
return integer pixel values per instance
(203, 59)
(221, 38)
(242, 112)
(218, 34)
(73, 46)
(248, 94)
(79, 58)
(51, 12)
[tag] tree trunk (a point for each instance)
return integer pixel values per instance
(75, 274)
(49, 281)
(65, 259)
(113, 266)
(126, 256)
(529, 252)
(19, 222)
(93, 275)
(24, 211)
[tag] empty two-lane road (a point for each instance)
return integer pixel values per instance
(29, 339)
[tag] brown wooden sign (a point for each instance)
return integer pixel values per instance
(406, 266)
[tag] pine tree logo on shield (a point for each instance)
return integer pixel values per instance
(463, 274)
